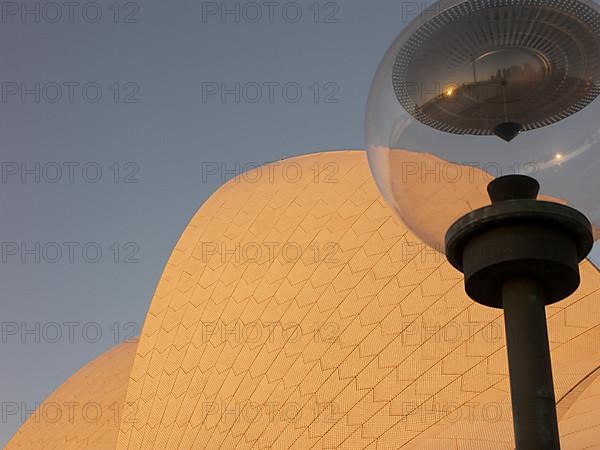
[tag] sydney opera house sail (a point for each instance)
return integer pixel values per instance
(297, 312)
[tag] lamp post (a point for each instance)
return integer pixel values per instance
(512, 85)
(521, 254)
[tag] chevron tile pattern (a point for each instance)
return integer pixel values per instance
(85, 412)
(296, 312)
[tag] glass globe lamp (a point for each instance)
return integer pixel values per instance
(474, 90)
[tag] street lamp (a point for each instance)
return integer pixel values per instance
(483, 135)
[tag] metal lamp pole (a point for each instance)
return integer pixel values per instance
(521, 254)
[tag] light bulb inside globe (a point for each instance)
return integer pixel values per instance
(479, 89)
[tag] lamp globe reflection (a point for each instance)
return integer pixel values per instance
(474, 90)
